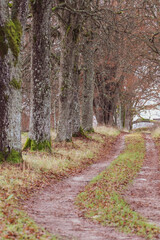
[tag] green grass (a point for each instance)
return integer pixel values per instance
(102, 198)
(17, 225)
(19, 181)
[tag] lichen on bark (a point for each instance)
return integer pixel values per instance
(39, 129)
(88, 84)
(69, 116)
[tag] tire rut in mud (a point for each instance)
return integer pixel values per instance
(53, 208)
(144, 194)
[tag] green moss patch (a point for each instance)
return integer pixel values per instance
(3, 43)
(16, 84)
(10, 37)
(102, 199)
(10, 4)
(2, 158)
(13, 32)
(90, 130)
(82, 133)
(54, 8)
(13, 156)
(40, 146)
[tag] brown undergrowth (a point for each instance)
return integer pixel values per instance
(18, 182)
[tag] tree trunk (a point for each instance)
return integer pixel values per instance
(111, 113)
(11, 29)
(128, 118)
(88, 85)
(69, 122)
(39, 132)
(66, 89)
(119, 116)
(75, 103)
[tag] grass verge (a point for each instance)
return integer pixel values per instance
(19, 181)
(102, 198)
(156, 136)
(156, 133)
(15, 183)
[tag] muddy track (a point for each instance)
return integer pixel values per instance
(144, 194)
(53, 208)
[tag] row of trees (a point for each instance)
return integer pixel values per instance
(131, 73)
(86, 57)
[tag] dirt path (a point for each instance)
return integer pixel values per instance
(144, 194)
(53, 207)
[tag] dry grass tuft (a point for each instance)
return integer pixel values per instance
(107, 131)
(156, 136)
(65, 156)
(156, 133)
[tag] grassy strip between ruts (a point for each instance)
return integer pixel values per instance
(102, 198)
(19, 181)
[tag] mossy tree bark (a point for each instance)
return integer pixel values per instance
(11, 29)
(88, 84)
(39, 132)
